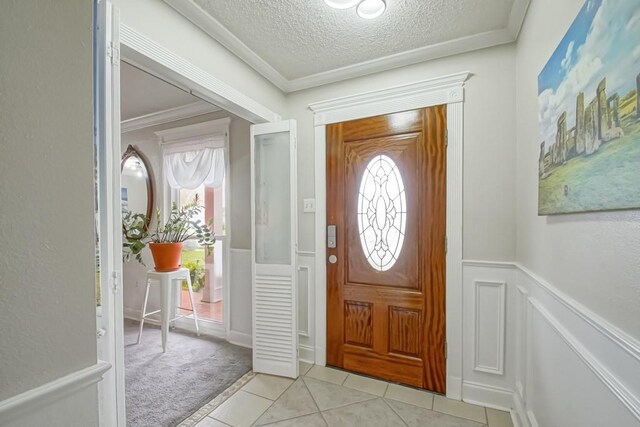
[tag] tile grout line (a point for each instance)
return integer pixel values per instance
(394, 411)
(272, 401)
(314, 401)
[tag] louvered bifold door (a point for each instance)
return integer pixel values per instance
(274, 236)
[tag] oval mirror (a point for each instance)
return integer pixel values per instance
(136, 192)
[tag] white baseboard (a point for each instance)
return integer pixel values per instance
(489, 396)
(241, 339)
(306, 354)
(133, 314)
(14, 408)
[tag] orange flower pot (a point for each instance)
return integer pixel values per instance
(166, 256)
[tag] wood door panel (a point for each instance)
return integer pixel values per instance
(405, 332)
(358, 323)
(402, 370)
(391, 124)
(386, 319)
(404, 151)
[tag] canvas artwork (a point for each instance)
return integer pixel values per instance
(589, 113)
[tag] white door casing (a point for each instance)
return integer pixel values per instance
(447, 90)
(111, 342)
(115, 41)
(274, 261)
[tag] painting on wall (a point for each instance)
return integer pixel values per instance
(589, 113)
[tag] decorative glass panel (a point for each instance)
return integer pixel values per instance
(272, 199)
(382, 213)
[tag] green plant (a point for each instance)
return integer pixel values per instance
(179, 227)
(196, 271)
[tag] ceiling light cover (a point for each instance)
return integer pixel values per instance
(342, 4)
(371, 9)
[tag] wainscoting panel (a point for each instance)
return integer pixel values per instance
(489, 290)
(66, 401)
(306, 306)
(489, 327)
(574, 367)
(559, 363)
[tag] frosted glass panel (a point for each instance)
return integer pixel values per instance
(273, 199)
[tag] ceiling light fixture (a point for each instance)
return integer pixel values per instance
(371, 9)
(342, 4)
(367, 9)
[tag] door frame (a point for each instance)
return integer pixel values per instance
(135, 48)
(447, 90)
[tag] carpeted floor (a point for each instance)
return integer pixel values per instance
(164, 389)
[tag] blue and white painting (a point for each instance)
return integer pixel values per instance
(589, 113)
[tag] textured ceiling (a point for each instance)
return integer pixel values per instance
(303, 37)
(142, 93)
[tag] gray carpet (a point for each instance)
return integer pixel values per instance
(164, 389)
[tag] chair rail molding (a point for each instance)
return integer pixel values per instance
(447, 90)
(51, 392)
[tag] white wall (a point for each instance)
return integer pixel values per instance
(134, 274)
(162, 24)
(47, 271)
(489, 134)
(593, 257)
(578, 292)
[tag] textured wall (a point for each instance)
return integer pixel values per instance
(593, 257)
(489, 147)
(47, 273)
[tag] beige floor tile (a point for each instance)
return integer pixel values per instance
(329, 396)
(304, 367)
(373, 413)
(327, 374)
(368, 385)
(313, 420)
(268, 386)
(210, 422)
(459, 409)
(415, 416)
(409, 395)
(499, 418)
(294, 403)
(242, 409)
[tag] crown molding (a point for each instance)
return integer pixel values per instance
(167, 116)
(447, 89)
(226, 38)
(220, 33)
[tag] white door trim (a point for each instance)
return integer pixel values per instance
(447, 90)
(155, 59)
(148, 55)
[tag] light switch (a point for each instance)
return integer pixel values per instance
(309, 205)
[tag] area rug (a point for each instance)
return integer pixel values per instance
(163, 389)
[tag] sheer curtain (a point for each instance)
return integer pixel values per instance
(193, 163)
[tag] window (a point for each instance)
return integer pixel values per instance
(206, 271)
(382, 213)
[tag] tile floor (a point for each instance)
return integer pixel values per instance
(328, 397)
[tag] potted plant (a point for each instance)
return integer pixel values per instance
(165, 242)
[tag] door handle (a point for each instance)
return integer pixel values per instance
(331, 236)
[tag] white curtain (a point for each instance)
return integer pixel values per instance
(189, 165)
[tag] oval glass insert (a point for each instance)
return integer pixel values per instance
(382, 212)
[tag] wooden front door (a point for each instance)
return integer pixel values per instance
(386, 197)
